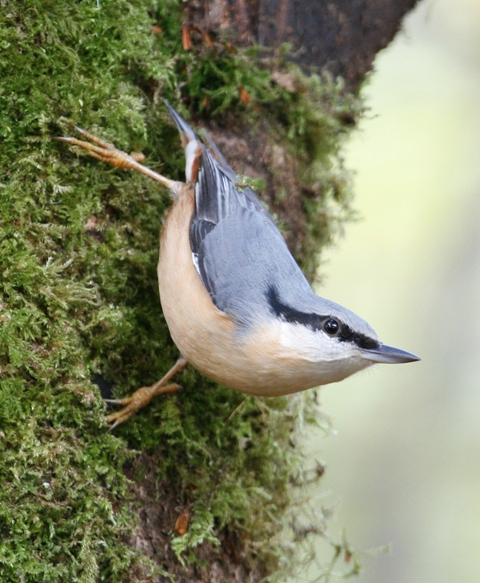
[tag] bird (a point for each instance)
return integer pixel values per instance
(237, 305)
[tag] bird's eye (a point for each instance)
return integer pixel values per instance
(331, 327)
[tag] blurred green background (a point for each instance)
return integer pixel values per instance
(404, 464)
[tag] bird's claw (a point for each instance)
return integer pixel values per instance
(104, 151)
(140, 398)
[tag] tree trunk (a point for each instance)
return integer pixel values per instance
(199, 484)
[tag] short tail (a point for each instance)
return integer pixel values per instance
(192, 144)
(181, 124)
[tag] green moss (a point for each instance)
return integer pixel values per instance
(78, 293)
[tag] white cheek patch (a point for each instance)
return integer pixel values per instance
(313, 345)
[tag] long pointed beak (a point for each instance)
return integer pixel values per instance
(389, 355)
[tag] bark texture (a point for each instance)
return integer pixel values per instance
(342, 36)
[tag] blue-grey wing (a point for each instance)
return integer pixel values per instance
(238, 250)
(243, 259)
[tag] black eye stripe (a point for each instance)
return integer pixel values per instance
(362, 341)
(317, 323)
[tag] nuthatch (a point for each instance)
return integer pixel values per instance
(237, 305)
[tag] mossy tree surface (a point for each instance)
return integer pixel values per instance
(79, 297)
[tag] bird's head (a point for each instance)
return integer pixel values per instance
(335, 340)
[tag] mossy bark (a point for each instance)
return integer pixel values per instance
(79, 306)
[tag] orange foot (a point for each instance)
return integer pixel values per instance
(144, 395)
(106, 152)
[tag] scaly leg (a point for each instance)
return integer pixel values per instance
(144, 395)
(106, 152)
